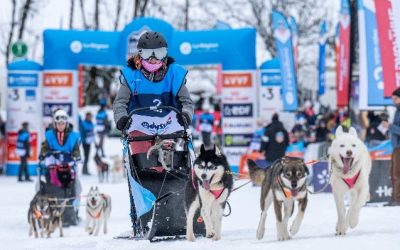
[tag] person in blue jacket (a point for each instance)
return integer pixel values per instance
(151, 78)
(23, 150)
(102, 126)
(86, 127)
(206, 121)
(60, 137)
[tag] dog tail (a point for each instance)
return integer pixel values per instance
(257, 174)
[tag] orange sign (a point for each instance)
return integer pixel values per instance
(237, 80)
(57, 79)
(12, 144)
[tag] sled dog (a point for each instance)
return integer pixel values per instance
(350, 164)
(98, 209)
(208, 188)
(38, 215)
(102, 168)
(117, 170)
(284, 183)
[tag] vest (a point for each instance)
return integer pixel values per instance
(87, 131)
(206, 122)
(145, 93)
(68, 147)
(22, 141)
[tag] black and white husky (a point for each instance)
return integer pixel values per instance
(98, 210)
(208, 188)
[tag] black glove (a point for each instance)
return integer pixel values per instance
(122, 122)
(183, 119)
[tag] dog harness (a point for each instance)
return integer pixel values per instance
(350, 182)
(217, 193)
(289, 193)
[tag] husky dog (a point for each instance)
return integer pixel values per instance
(117, 169)
(284, 182)
(38, 215)
(57, 209)
(102, 168)
(350, 164)
(208, 189)
(98, 209)
(256, 174)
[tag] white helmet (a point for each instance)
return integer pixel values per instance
(60, 116)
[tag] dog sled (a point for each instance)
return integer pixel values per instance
(57, 177)
(157, 185)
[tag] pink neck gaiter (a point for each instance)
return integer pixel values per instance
(151, 67)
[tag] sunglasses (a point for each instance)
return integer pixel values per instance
(159, 53)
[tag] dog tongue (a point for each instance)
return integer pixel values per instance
(294, 192)
(206, 184)
(346, 165)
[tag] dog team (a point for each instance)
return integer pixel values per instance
(211, 183)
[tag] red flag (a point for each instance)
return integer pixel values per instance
(388, 46)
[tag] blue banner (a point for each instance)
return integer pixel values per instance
(321, 62)
(284, 48)
(373, 69)
(295, 37)
(271, 73)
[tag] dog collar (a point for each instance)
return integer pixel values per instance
(350, 182)
(288, 192)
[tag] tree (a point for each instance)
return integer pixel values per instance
(25, 11)
(71, 14)
(11, 33)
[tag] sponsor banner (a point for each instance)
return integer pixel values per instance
(270, 102)
(380, 186)
(388, 45)
(321, 60)
(238, 125)
(237, 95)
(237, 140)
(371, 75)
(60, 90)
(237, 80)
(271, 77)
(23, 79)
(12, 144)
(237, 110)
(343, 77)
(234, 154)
(50, 108)
(155, 125)
(320, 177)
(282, 35)
(295, 38)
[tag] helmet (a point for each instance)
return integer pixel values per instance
(60, 116)
(151, 40)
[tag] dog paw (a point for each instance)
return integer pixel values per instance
(190, 237)
(353, 221)
(294, 229)
(340, 230)
(210, 235)
(260, 233)
(216, 237)
(283, 237)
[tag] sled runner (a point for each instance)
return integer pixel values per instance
(157, 189)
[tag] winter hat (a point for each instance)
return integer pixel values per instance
(396, 92)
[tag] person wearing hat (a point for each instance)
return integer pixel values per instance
(60, 137)
(152, 78)
(102, 126)
(394, 129)
(23, 150)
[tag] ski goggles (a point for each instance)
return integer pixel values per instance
(159, 53)
(61, 119)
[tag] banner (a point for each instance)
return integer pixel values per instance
(343, 77)
(269, 94)
(321, 60)
(23, 105)
(295, 39)
(371, 77)
(388, 45)
(284, 48)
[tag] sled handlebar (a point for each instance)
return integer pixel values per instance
(162, 137)
(154, 108)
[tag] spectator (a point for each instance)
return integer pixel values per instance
(23, 151)
(102, 127)
(395, 165)
(321, 132)
(87, 134)
(206, 121)
(377, 130)
(274, 141)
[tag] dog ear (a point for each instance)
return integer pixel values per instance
(97, 188)
(353, 131)
(202, 149)
(307, 170)
(339, 131)
(217, 151)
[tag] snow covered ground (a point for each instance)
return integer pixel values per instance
(379, 227)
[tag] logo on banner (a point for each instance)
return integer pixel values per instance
(50, 108)
(237, 110)
(157, 128)
(14, 95)
(238, 80)
(185, 48)
(76, 46)
(57, 80)
(30, 95)
(22, 80)
(247, 125)
(282, 33)
(237, 140)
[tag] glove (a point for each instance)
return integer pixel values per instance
(183, 119)
(122, 122)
